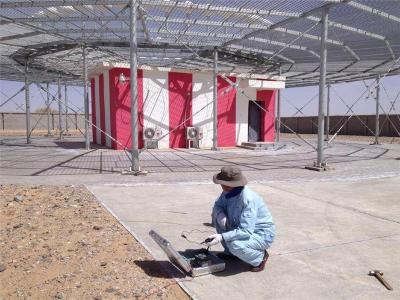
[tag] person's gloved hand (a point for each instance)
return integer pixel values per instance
(221, 220)
(215, 239)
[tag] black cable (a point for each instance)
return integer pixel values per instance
(185, 234)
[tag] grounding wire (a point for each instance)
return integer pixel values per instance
(394, 62)
(351, 110)
(392, 108)
(384, 111)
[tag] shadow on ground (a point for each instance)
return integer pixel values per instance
(76, 145)
(158, 269)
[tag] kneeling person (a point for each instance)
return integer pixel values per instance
(243, 223)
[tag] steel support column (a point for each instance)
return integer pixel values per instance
(322, 86)
(66, 109)
(86, 98)
(327, 112)
(59, 108)
(133, 81)
(278, 114)
(215, 101)
(27, 105)
(377, 98)
(48, 109)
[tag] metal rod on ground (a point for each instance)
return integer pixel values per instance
(278, 114)
(327, 112)
(59, 108)
(86, 98)
(133, 81)
(66, 110)
(215, 101)
(322, 86)
(48, 109)
(377, 111)
(27, 105)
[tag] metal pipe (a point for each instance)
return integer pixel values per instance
(133, 81)
(59, 108)
(377, 110)
(215, 101)
(86, 98)
(278, 114)
(27, 105)
(327, 112)
(66, 109)
(322, 86)
(48, 109)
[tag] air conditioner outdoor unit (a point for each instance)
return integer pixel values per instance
(194, 133)
(151, 133)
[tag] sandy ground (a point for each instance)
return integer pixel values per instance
(60, 243)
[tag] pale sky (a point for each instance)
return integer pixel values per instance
(348, 92)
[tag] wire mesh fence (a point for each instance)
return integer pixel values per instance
(16, 121)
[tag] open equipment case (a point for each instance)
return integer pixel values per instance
(194, 262)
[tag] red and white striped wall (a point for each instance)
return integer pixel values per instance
(171, 101)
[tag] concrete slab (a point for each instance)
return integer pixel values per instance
(328, 237)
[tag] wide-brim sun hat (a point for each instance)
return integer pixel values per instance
(230, 176)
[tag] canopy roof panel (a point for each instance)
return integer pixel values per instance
(252, 36)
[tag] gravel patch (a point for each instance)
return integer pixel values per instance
(60, 243)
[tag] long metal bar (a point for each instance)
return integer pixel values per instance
(377, 98)
(66, 109)
(322, 86)
(48, 109)
(27, 105)
(278, 117)
(86, 98)
(59, 108)
(133, 80)
(327, 112)
(215, 101)
(278, 113)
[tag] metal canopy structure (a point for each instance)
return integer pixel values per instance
(252, 36)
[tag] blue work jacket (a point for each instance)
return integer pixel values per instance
(246, 215)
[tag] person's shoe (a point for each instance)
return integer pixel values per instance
(261, 266)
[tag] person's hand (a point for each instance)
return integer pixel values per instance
(215, 239)
(221, 220)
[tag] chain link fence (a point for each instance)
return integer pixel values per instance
(16, 121)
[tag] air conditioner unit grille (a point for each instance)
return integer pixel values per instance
(194, 133)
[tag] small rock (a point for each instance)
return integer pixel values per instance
(103, 264)
(2, 268)
(110, 290)
(83, 243)
(95, 227)
(18, 226)
(18, 198)
(97, 298)
(59, 295)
